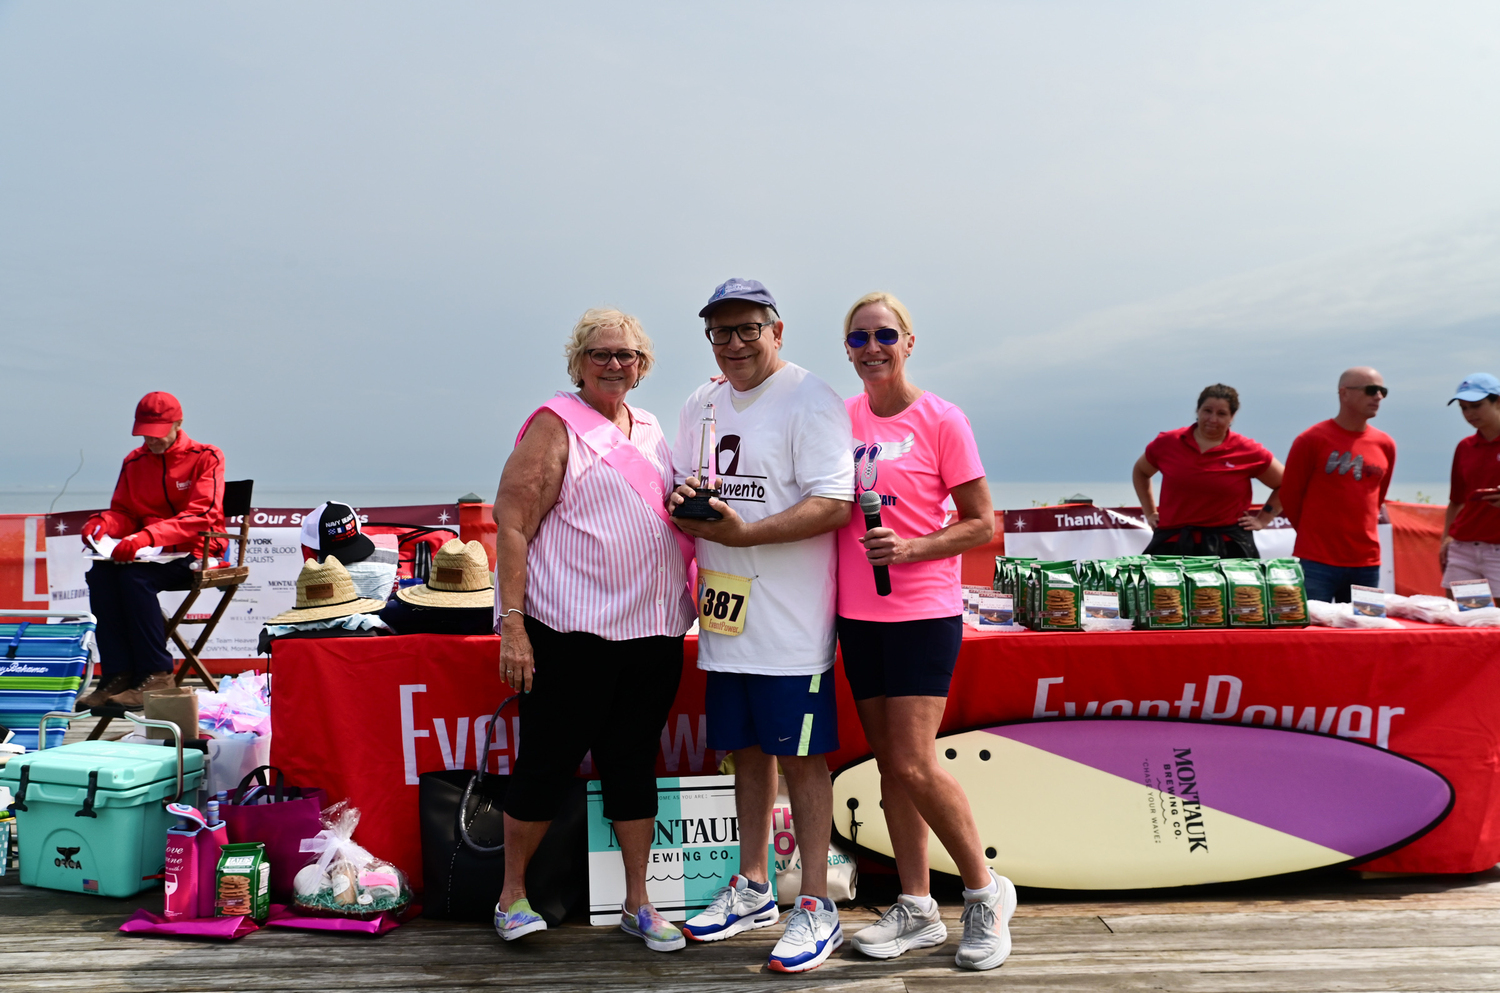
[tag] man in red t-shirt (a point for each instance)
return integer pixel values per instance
(1471, 532)
(1336, 479)
(170, 490)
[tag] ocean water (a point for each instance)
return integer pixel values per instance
(1004, 495)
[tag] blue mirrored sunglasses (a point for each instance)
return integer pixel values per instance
(859, 339)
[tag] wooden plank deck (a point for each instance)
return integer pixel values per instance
(1332, 931)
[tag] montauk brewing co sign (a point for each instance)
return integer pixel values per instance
(695, 849)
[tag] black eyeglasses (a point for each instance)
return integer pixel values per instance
(1370, 389)
(859, 339)
(626, 357)
(747, 332)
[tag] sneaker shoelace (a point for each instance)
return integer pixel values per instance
(899, 915)
(800, 927)
(722, 901)
(979, 921)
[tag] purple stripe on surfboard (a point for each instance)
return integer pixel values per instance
(1347, 797)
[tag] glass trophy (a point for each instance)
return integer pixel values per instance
(696, 507)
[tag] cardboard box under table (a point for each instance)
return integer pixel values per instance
(91, 815)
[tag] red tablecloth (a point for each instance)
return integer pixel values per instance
(362, 717)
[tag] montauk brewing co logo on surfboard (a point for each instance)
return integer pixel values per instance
(695, 849)
(1162, 803)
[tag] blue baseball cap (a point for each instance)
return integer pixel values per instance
(740, 289)
(1476, 386)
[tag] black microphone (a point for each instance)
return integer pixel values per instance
(869, 502)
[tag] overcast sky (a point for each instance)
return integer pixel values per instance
(352, 237)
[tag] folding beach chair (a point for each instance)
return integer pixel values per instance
(226, 579)
(41, 668)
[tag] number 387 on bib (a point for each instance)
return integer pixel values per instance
(723, 601)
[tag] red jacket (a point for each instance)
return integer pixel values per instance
(171, 496)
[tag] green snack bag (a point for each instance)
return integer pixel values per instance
(1161, 596)
(1287, 606)
(1245, 593)
(1059, 597)
(1205, 594)
(242, 882)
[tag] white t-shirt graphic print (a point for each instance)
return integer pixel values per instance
(791, 442)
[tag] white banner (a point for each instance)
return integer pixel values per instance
(273, 555)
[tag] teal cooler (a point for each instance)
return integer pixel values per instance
(91, 816)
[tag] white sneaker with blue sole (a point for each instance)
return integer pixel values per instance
(812, 933)
(735, 908)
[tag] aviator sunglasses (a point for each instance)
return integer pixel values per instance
(859, 339)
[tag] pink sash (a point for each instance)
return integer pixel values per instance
(611, 445)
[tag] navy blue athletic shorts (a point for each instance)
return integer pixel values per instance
(784, 715)
(900, 658)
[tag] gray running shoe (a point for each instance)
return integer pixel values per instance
(986, 940)
(901, 929)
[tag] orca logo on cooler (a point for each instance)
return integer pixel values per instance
(66, 861)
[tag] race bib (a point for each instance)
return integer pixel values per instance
(722, 602)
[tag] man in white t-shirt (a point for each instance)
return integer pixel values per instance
(767, 592)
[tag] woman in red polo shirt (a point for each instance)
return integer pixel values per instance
(1205, 484)
(1471, 533)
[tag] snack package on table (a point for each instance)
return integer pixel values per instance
(1288, 603)
(1058, 596)
(345, 880)
(1205, 594)
(1161, 596)
(1419, 607)
(1245, 591)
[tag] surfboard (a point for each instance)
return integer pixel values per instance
(1124, 803)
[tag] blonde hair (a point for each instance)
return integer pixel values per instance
(595, 320)
(903, 316)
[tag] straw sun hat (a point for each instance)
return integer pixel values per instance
(325, 591)
(460, 577)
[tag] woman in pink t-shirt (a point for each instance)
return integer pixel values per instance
(916, 451)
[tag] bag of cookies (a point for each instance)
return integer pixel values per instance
(345, 880)
(242, 882)
(1058, 597)
(1287, 604)
(1161, 596)
(1245, 592)
(1205, 594)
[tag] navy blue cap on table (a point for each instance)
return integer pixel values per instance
(333, 529)
(1477, 386)
(739, 289)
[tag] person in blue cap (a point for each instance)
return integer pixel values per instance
(770, 568)
(1471, 530)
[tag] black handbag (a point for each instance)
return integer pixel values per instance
(463, 846)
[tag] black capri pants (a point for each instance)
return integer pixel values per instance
(589, 694)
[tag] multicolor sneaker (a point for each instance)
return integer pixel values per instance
(659, 934)
(519, 920)
(986, 940)
(904, 927)
(734, 908)
(812, 933)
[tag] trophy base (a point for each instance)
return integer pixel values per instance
(696, 507)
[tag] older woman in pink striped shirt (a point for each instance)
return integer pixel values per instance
(592, 606)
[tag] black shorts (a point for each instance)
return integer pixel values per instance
(900, 658)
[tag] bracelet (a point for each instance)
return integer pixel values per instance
(512, 610)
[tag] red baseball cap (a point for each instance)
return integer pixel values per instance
(155, 415)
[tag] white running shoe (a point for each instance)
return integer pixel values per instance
(986, 940)
(734, 908)
(904, 927)
(812, 933)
